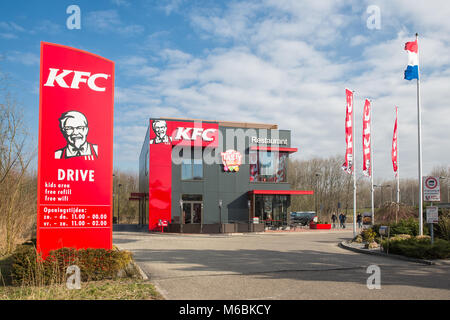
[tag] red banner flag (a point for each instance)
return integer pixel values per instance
(394, 145)
(367, 160)
(348, 164)
(75, 162)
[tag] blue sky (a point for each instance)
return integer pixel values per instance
(286, 62)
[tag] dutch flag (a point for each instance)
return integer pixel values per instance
(412, 71)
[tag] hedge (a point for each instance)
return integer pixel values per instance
(418, 247)
(409, 226)
(95, 264)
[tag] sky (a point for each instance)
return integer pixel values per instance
(284, 62)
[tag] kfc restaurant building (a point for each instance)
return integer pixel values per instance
(199, 176)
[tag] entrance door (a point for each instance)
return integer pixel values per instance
(192, 211)
(272, 209)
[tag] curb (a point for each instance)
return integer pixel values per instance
(146, 278)
(141, 272)
(344, 245)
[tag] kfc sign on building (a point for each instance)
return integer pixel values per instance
(195, 133)
(75, 150)
(184, 133)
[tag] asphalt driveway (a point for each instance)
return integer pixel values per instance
(306, 265)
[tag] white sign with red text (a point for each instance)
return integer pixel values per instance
(431, 189)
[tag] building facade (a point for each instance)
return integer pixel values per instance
(200, 176)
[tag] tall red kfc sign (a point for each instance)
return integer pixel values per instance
(75, 149)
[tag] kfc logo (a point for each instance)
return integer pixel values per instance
(78, 77)
(160, 129)
(186, 134)
(74, 127)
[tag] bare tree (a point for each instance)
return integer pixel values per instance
(17, 204)
(124, 184)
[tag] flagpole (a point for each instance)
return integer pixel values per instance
(371, 163)
(419, 131)
(398, 170)
(354, 168)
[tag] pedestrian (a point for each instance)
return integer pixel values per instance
(344, 217)
(359, 220)
(334, 218)
(341, 217)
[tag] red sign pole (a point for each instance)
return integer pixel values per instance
(75, 149)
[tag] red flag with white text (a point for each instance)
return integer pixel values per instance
(348, 164)
(394, 145)
(367, 160)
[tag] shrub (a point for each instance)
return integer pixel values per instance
(419, 247)
(95, 264)
(358, 239)
(400, 237)
(368, 235)
(376, 228)
(409, 226)
(442, 229)
(423, 237)
(26, 269)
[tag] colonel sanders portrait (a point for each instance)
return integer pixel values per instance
(160, 129)
(74, 127)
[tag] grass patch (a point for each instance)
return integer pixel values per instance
(124, 289)
(104, 275)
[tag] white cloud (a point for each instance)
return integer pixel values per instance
(285, 62)
(11, 30)
(105, 21)
(170, 6)
(47, 27)
(7, 35)
(25, 58)
(358, 40)
(11, 26)
(120, 3)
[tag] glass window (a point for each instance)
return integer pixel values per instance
(272, 209)
(191, 197)
(186, 169)
(268, 166)
(268, 163)
(192, 168)
(197, 169)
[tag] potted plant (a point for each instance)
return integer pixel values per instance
(317, 224)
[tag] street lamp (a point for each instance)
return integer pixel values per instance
(220, 215)
(114, 198)
(181, 216)
(317, 199)
(118, 205)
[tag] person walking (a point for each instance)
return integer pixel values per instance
(341, 217)
(344, 217)
(334, 218)
(359, 220)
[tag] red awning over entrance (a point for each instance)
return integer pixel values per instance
(273, 149)
(282, 192)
